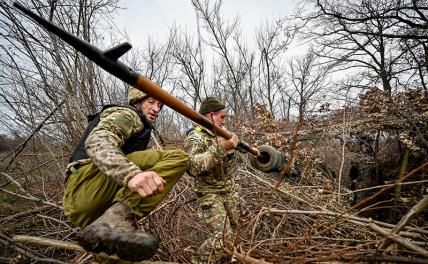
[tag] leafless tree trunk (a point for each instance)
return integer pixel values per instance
(307, 79)
(220, 37)
(187, 57)
(45, 71)
(272, 41)
(369, 36)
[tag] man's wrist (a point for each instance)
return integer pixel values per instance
(129, 177)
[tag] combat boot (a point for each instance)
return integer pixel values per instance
(115, 232)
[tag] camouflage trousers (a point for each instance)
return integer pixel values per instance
(219, 212)
(89, 192)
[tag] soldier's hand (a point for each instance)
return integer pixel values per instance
(257, 151)
(229, 144)
(147, 183)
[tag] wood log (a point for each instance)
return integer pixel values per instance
(39, 241)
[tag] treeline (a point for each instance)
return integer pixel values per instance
(355, 46)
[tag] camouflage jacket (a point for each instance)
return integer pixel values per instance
(212, 168)
(117, 124)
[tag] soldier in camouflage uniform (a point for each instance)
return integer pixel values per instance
(112, 179)
(213, 166)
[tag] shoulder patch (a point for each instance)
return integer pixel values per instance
(195, 134)
(189, 129)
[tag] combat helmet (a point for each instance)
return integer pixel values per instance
(135, 96)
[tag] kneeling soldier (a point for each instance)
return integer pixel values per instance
(112, 179)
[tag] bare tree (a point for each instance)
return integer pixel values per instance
(47, 88)
(306, 80)
(272, 40)
(417, 58)
(248, 59)
(367, 35)
(220, 37)
(38, 71)
(187, 56)
(156, 62)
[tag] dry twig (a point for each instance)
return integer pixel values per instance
(398, 239)
(419, 207)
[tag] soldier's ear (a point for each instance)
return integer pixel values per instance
(138, 105)
(210, 115)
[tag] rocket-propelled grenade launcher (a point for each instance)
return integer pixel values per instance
(108, 60)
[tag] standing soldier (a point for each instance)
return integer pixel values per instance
(112, 179)
(213, 166)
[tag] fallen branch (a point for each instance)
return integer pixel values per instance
(29, 196)
(402, 233)
(343, 216)
(245, 258)
(386, 185)
(419, 207)
(280, 189)
(26, 251)
(375, 259)
(47, 242)
(326, 238)
(20, 214)
(55, 220)
(398, 239)
(67, 245)
(174, 199)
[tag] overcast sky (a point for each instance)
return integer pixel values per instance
(144, 18)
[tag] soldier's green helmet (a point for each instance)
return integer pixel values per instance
(135, 96)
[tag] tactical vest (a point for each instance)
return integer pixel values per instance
(136, 142)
